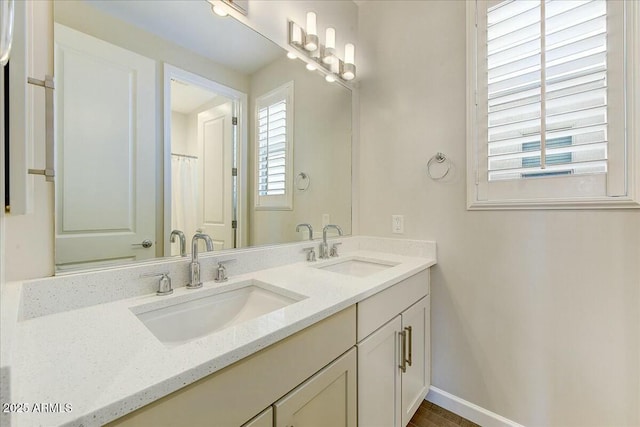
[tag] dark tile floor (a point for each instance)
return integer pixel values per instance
(430, 415)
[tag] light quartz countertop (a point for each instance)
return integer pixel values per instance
(103, 362)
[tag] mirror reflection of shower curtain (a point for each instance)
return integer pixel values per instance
(184, 198)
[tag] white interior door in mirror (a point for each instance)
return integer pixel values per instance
(215, 142)
(106, 155)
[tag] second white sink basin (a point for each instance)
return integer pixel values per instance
(360, 267)
(186, 321)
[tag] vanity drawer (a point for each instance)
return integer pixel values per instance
(378, 309)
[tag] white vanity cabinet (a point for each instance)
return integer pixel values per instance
(394, 353)
(264, 419)
(326, 399)
(307, 368)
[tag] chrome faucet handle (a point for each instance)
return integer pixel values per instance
(334, 249)
(221, 271)
(311, 253)
(164, 285)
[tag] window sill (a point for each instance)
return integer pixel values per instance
(550, 204)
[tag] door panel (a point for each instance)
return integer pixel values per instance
(103, 211)
(265, 419)
(415, 382)
(215, 141)
(326, 399)
(379, 377)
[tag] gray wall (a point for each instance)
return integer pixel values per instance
(535, 314)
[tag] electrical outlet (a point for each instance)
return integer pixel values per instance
(326, 220)
(397, 224)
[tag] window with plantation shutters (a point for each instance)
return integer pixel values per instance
(550, 91)
(274, 118)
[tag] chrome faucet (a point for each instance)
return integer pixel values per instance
(194, 267)
(183, 241)
(309, 227)
(324, 247)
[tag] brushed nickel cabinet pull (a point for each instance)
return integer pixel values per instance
(49, 170)
(403, 351)
(409, 329)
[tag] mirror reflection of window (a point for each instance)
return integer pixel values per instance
(273, 148)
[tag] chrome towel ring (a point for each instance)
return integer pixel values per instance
(439, 158)
(303, 181)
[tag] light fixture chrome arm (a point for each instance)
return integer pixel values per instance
(194, 267)
(183, 241)
(324, 247)
(308, 227)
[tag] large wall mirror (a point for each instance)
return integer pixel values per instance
(171, 120)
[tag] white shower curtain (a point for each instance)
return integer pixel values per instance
(184, 198)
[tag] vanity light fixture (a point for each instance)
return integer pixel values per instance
(220, 10)
(320, 56)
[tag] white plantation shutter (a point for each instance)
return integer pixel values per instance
(272, 148)
(549, 88)
(571, 105)
(274, 118)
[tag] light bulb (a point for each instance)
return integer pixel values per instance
(219, 10)
(349, 67)
(330, 78)
(349, 54)
(311, 40)
(328, 55)
(291, 55)
(311, 67)
(330, 39)
(311, 24)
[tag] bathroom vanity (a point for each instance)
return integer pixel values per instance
(346, 343)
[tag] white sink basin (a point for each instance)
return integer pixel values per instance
(186, 321)
(360, 267)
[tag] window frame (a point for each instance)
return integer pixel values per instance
(283, 201)
(622, 180)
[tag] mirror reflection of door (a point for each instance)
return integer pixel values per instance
(105, 211)
(202, 164)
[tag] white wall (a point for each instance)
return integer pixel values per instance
(535, 314)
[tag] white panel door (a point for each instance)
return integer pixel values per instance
(215, 142)
(416, 381)
(379, 377)
(106, 155)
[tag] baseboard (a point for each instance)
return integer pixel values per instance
(468, 410)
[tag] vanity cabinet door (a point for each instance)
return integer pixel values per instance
(264, 419)
(379, 377)
(326, 399)
(416, 380)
